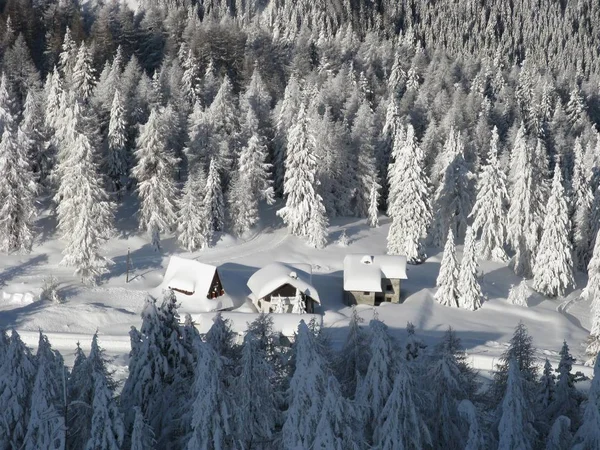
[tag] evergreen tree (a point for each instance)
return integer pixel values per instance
(469, 289)
(18, 191)
(567, 398)
(553, 270)
(45, 428)
(84, 212)
(520, 350)
(525, 214)
(587, 436)
(255, 394)
(117, 159)
(223, 113)
(400, 422)
(285, 115)
(107, 430)
(154, 174)
(339, 425)
(79, 398)
(351, 362)
(83, 76)
(34, 130)
(142, 436)
(489, 211)
(376, 386)
(560, 434)
(547, 388)
(447, 280)
(306, 392)
(363, 136)
(592, 292)
(581, 200)
(408, 202)
(193, 228)
(453, 198)
(515, 429)
(303, 204)
(17, 374)
(213, 199)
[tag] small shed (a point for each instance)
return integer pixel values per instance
(283, 288)
(191, 278)
(372, 279)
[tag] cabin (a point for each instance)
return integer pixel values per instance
(371, 280)
(283, 288)
(191, 278)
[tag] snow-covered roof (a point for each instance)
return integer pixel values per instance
(269, 278)
(286, 324)
(189, 275)
(364, 272)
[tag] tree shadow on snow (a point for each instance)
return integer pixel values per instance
(141, 259)
(22, 269)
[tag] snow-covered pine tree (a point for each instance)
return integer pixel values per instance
(190, 80)
(257, 99)
(560, 436)
(515, 430)
(447, 280)
(251, 184)
(519, 294)
(469, 289)
(213, 198)
(193, 229)
(79, 400)
(18, 191)
(567, 397)
(142, 436)
(304, 212)
(363, 137)
(223, 113)
(474, 433)
(53, 91)
(257, 401)
(592, 292)
(400, 424)
(117, 160)
(453, 197)
(33, 128)
(553, 269)
(489, 211)
(107, 430)
(84, 211)
(351, 362)
(17, 373)
(522, 351)
(83, 74)
(525, 214)
(7, 106)
(284, 116)
(306, 392)
(46, 425)
(213, 408)
(154, 173)
(581, 202)
(408, 202)
(339, 426)
(375, 387)
(546, 389)
(414, 346)
(373, 214)
(587, 436)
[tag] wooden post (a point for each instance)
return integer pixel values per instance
(128, 265)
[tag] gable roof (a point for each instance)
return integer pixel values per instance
(364, 272)
(189, 275)
(273, 276)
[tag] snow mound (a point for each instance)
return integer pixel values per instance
(18, 298)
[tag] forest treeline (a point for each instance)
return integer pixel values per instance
(186, 391)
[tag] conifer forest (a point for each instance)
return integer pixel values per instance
(468, 131)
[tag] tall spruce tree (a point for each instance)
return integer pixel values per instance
(553, 269)
(408, 199)
(447, 280)
(469, 289)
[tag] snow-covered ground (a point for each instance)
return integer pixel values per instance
(114, 306)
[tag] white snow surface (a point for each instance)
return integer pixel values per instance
(364, 272)
(114, 306)
(274, 275)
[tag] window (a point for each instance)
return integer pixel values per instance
(366, 293)
(390, 288)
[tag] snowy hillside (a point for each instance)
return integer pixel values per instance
(114, 306)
